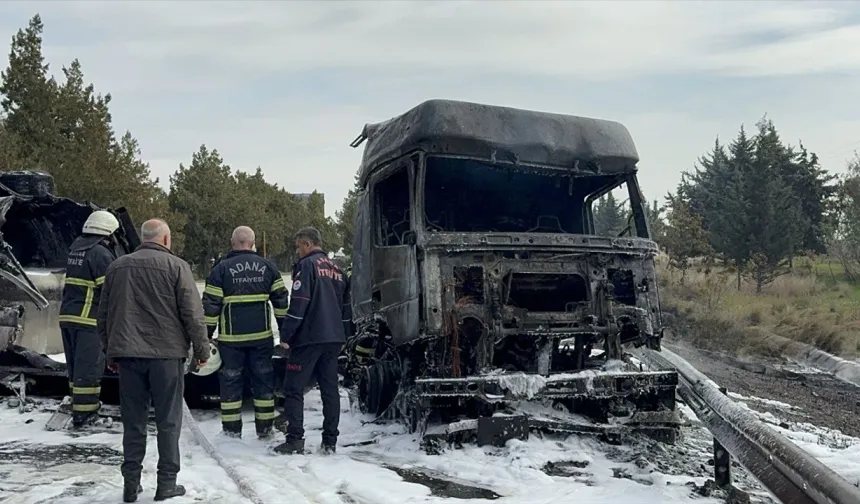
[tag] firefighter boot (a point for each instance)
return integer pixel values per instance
(232, 433)
(264, 414)
(81, 420)
(231, 418)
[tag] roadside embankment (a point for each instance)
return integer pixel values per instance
(705, 308)
(794, 395)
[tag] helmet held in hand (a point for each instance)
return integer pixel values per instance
(212, 364)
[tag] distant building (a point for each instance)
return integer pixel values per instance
(306, 197)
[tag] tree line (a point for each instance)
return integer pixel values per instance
(753, 204)
(757, 203)
(65, 128)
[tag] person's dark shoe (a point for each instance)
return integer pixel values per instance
(164, 493)
(291, 447)
(264, 433)
(130, 492)
(232, 434)
(328, 449)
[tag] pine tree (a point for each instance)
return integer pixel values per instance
(727, 215)
(609, 218)
(747, 198)
(703, 186)
(10, 157)
(816, 190)
(29, 97)
(81, 153)
(684, 237)
(345, 218)
(775, 223)
(207, 193)
(845, 242)
(656, 224)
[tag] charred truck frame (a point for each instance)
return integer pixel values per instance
(36, 230)
(479, 286)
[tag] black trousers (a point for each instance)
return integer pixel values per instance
(304, 363)
(161, 381)
(253, 360)
(85, 362)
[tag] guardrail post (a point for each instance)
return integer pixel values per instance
(722, 461)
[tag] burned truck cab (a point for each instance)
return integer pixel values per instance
(479, 272)
(36, 230)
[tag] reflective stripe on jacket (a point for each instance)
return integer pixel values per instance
(87, 262)
(237, 295)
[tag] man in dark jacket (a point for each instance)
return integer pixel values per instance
(150, 315)
(88, 259)
(236, 297)
(314, 331)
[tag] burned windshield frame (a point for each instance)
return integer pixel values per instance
(634, 211)
(456, 194)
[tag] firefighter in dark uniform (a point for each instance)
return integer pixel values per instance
(314, 331)
(236, 300)
(88, 259)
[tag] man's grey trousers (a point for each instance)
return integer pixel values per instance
(162, 381)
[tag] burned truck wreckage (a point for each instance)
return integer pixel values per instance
(480, 288)
(36, 231)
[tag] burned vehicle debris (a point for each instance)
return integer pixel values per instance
(36, 230)
(479, 282)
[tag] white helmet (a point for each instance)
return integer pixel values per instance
(212, 364)
(101, 222)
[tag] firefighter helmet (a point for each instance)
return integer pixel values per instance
(101, 222)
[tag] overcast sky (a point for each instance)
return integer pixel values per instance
(286, 85)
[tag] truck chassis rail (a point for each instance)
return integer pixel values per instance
(586, 384)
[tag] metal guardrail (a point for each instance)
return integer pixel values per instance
(789, 473)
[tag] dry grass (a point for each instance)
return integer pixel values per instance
(808, 305)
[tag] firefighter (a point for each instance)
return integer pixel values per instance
(88, 259)
(236, 300)
(314, 331)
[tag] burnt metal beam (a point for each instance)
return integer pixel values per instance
(593, 384)
(497, 430)
(789, 473)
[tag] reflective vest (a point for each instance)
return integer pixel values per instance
(237, 295)
(87, 262)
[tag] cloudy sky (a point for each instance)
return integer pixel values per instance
(286, 85)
